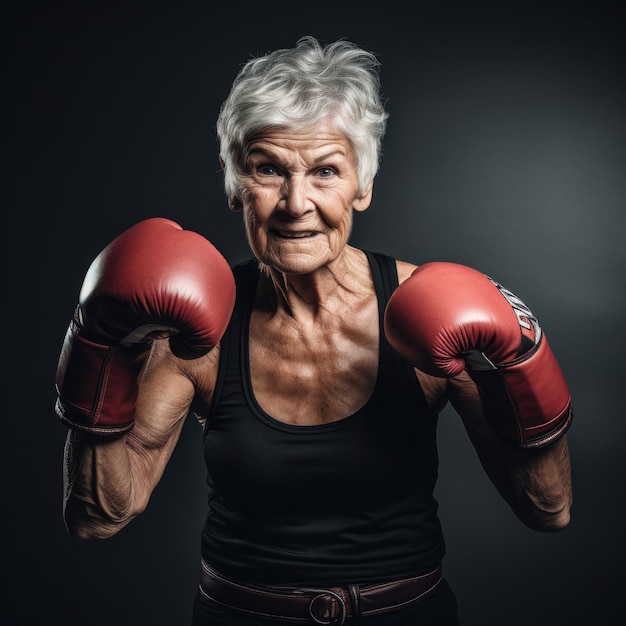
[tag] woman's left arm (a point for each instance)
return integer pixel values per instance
(535, 481)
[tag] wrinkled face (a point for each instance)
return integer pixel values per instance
(299, 191)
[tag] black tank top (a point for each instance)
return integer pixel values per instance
(344, 502)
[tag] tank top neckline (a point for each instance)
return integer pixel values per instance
(246, 376)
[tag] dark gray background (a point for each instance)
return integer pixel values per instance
(505, 151)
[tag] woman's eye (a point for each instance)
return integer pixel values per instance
(326, 172)
(267, 170)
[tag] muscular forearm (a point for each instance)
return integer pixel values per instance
(109, 481)
(541, 491)
(97, 483)
(535, 482)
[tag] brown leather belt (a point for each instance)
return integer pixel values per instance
(312, 605)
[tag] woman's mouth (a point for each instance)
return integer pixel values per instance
(291, 234)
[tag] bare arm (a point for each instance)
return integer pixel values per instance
(536, 482)
(108, 482)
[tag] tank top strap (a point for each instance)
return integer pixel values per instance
(385, 278)
(384, 275)
(246, 276)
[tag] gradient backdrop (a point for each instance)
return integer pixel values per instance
(505, 151)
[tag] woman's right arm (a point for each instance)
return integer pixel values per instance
(124, 390)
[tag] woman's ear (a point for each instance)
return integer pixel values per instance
(363, 200)
(235, 204)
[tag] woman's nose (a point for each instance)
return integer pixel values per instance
(296, 197)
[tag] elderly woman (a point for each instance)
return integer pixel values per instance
(316, 369)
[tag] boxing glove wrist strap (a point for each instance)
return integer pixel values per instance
(526, 401)
(97, 384)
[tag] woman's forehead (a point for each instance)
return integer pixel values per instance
(319, 140)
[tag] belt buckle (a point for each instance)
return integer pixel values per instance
(322, 607)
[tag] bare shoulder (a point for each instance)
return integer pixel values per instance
(405, 269)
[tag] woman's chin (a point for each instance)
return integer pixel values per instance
(297, 256)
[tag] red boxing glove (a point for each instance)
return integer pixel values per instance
(154, 279)
(448, 317)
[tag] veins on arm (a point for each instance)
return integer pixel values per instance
(108, 482)
(536, 482)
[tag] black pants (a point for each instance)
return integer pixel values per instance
(438, 609)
